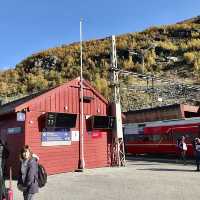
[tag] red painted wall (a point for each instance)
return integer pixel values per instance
(62, 158)
(14, 141)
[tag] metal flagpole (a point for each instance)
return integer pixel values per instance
(81, 161)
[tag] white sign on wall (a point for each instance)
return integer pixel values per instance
(20, 117)
(75, 136)
(15, 130)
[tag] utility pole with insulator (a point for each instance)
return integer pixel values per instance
(117, 148)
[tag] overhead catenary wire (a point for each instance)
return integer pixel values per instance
(147, 77)
(163, 91)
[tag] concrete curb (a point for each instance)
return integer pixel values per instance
(163, 160)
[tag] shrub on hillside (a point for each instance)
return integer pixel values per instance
(189, 57)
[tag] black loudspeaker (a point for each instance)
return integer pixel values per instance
(60, 120)
(102, 122)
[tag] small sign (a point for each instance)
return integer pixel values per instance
(75, 136)
(96, 134)
(15, 130)
(20, 117)
(56, 138)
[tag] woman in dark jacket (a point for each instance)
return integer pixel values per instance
(28, 173)
(4, 153)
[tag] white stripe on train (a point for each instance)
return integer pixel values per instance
(153, 144)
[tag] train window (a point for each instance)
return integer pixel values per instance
(140, 137)
(133, 137)
(152, 138)
(177, 136)
(189, 137)
(165, 137)
(156, 138)
(146, 138)
(141, 125)
(128, 138)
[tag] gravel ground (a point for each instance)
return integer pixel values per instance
(140, 179)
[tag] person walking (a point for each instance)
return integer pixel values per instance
(197, 150)
(178, 150)
(183, 149)
(28, 176)
(4, 153)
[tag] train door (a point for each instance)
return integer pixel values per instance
(151, 143)
(159, 139)
(165, 145)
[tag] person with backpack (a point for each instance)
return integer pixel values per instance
(28, 176)
(4, 154)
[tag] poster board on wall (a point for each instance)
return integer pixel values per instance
(56, 138)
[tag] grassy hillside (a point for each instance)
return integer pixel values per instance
(170, 53)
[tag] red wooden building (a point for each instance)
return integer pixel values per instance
(31, 120)
(175, 111)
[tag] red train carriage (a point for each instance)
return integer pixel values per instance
(160, 137)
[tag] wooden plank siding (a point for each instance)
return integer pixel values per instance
(14, 141)
(63, 158)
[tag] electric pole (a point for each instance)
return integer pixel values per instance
(118, 152)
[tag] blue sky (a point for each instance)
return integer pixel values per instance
(27, 27)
